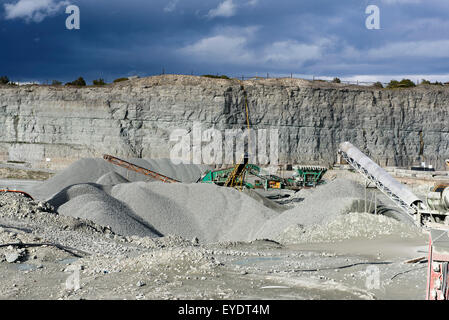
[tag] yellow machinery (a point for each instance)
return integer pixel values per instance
(239, 172)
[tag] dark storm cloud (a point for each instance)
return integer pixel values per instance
(322, 38)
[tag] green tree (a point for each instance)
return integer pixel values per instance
(336, 80)
(393, 84)
(378, 85)
(80, 82)
(56, 83)
(99, 82)
(4, 80)
(404, 83)
(120, 80)
(427, 82)
(216, 76)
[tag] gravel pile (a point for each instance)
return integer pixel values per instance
(320, 205)
(82, 171)
(117, 198)
(166, 215)
(212, 213)
(356, 225)
(90, 201)
(19, 206)
(187, 173)
(265, 201)
(90, 170)
(35, 222)
(205, 211)
(111, 179)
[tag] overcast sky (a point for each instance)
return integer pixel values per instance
(321, 38)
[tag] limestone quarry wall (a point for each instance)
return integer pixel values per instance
(54, 126)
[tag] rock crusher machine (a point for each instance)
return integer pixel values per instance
(250, 176)
(238, 177)
(309, 176)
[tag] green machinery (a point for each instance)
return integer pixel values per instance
(309, 176)
(235, 176)
(239, 176)
(251, 176)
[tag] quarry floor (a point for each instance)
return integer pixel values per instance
(258, 270)
(111, 266)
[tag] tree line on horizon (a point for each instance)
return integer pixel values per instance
(80, 82)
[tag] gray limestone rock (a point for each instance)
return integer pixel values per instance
(54, 126)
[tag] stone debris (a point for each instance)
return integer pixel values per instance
(137, 233)
(12, 257)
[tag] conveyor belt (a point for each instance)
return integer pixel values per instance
(133, 167)
(402, 196)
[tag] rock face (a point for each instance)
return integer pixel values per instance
(54, 126)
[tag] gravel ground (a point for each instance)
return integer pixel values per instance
(42, 250)
(23, 174)
(46, 250)
(354, 225)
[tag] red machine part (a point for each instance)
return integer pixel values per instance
(17, 191)
(438, 266)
